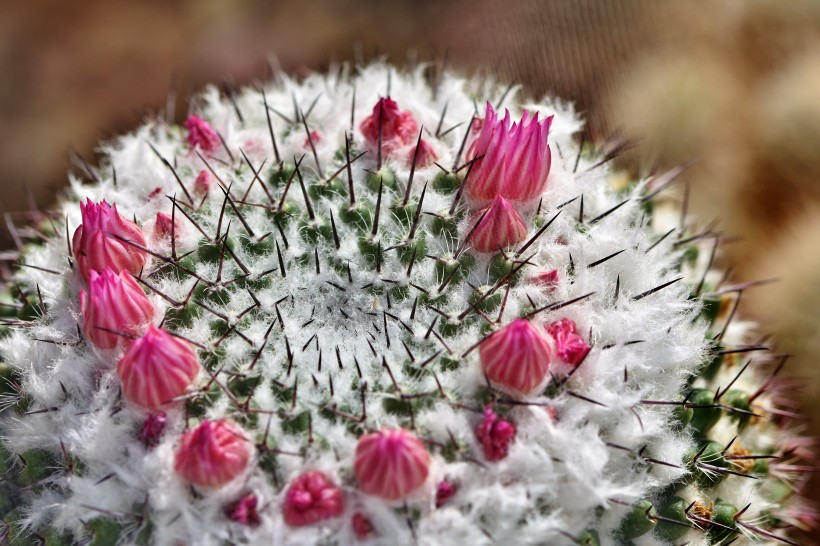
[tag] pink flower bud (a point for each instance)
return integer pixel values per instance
(362, 526)
(315, 138)
(157, 368)
(499, 227)
(165, 226)
(391, 463)
(398, 129)
(476, 126)
(495, 435)
(201, 135)
(517, 357)
(311, 498)
(114, 304)
(546, 279)
(96, 245)
(516, 159)
(255, 147)
(444, 492)
(213, 453)
(426, 155)
(568, 344)
(202, 183)
(244, 511)
(152, 429)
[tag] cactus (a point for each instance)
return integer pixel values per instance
(351, 309)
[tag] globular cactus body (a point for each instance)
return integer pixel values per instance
(372, 345)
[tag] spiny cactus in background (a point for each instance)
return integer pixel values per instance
(361, 308)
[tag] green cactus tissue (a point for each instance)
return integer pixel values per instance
(379, 307)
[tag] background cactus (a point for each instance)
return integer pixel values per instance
(313, 244)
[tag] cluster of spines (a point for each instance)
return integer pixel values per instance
(206, 296)
(694, 504)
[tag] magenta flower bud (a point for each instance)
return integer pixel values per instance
(113, 308)
(444, 492)
(362, 527)
(96, 245)
(499, 227)
(244, 511)
(213, 453)
(495, 435)
(398, 129)
(152, 428)
(391, 463)
(165, 226)
(202, 183)
(426, 155)
(568, 344)
(157, 369)
(311, 498)
(516, 159)
(517, 357)
(201, 135)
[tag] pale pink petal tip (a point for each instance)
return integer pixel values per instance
(114, 308)
(398, 129)
(517, 357)
(499, 227)
(202, 183)
(391, 463)
(495, 435)
(157, 369)
(547, 279)
(512, 159)
(165, 226)
(103, 240)
(362, 527)
(244, 511)
(213, 453)
(310, 498)
(568, 344)
(201, 135)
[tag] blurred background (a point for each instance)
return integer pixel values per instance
(731, 84)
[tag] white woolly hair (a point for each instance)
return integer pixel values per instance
(561, 470)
